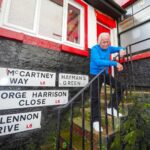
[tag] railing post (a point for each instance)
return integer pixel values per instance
(91, 119)
(99, 112)
(58, 131)
(113, 123)
(116, 87)
(129, 70)
(83, 122)
(131, 66)
(106, 117)
(71, 126)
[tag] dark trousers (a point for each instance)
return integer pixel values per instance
(116, 96)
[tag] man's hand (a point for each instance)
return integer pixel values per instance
(119, 67)
(122, 53)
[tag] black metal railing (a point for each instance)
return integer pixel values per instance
(104, 119)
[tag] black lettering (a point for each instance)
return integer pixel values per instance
(1, 128)
(1, 120)
(39, 94)
(10, 72)
(44, 94)
(38, 74)
(29, 116)
(16, 127)
(10, 128)
(4, 95)
(9, 119)
(13, 80)
(64, 82)
(35, 116)
(28, 74)
(33, 102)
(15, 118)
(22, 117)
(63, 76)
(25, 81)
(34, 94)
(42, 75)
(11, 95)
(22, 73)
(20, 81)
(51, 75)
(21, 102)
(33, 74)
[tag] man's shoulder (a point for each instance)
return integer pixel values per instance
(95, 47)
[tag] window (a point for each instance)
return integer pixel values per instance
(51, 17)
(20, 14)
(60, 21)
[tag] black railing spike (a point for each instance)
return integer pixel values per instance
(106, 117)
(58, 130)
(91, 119)
(113, 123)
(99, 113)
(71, 126)
(83, 122)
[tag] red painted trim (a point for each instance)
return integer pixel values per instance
(1, 3)
(41, 43)
(11, 34)
(85, 22)
(125, 3)
(106, 20)
(137, 57)
(49, 44)
(76, 51)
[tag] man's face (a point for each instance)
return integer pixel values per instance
(105, 42)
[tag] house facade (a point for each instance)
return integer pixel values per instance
(44, 60)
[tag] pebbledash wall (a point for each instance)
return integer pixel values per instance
(14, 54)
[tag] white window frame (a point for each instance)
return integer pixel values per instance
(35, 30)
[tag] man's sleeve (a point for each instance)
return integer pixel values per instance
(101, 62)
(114, 49)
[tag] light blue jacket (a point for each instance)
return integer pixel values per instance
(100, 58)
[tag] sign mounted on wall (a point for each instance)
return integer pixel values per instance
(14, 123)
(72, 80)
(38, 98)
(18, 77)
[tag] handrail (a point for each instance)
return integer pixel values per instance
(138, 42)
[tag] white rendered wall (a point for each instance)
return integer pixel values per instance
(92, 30)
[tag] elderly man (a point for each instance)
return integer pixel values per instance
(100, 58)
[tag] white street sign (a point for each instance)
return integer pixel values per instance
(18, 77)
(32, 98)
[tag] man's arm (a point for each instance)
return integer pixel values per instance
(101, 62)
(114, 49)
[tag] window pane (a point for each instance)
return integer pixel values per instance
(73, 24)
(51, 19)
(21, 13)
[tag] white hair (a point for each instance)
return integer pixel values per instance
(103, 34)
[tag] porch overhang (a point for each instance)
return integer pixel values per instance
(108, 7)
